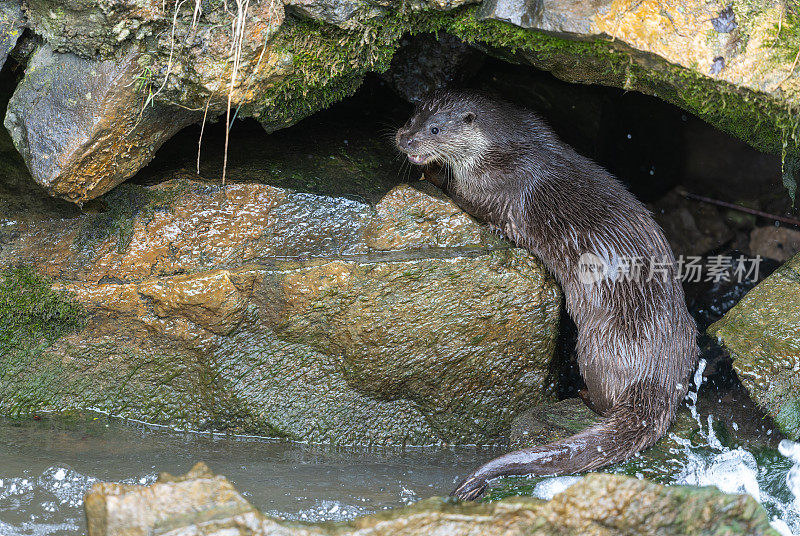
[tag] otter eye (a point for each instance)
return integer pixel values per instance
(434, 131)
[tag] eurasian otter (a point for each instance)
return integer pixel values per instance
(636, 340)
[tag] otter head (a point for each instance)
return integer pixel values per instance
(444, 129)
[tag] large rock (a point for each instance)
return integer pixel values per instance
(201, 503)
(693, 55)
(762, 333)
(257, 309)
(114, 80)
(81, 126)
(730, 68)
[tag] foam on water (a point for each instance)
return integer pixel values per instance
(325, 510)
(710, 463)
(547, 489)
(52, 501)
(705, 461)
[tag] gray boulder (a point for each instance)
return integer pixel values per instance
(81, 126)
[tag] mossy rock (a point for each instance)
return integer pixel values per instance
(255, 309)
(762, 334)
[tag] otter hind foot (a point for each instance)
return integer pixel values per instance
(470, 488)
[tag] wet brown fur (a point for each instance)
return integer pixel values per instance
(636, 340)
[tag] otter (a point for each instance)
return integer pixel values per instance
(636, 345)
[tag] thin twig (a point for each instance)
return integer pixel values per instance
(740, 208)
(791, 70)
(236, 46)
(202, 129)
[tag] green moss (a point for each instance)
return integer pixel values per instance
(787, 34)
(788, 417)
(31, 311)
(123, 205)
(329, 62)
(32, 317)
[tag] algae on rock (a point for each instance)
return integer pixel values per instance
(32, 317)
(762, 334)
(255, 309)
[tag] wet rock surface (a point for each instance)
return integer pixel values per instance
(81, 128)
(761, 334)
(258, 309)
(200, 502)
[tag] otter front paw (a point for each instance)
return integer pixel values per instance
(470, 489)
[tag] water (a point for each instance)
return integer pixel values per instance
(46, 466)
(732, 447)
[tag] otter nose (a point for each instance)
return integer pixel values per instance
(411, 142)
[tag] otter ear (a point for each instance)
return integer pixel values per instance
(469, 117)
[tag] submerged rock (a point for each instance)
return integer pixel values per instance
(762, 334)
(262, 310)
(779, 243)
(81, 126)
(200, 503)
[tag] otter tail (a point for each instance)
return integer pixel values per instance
(641, 418)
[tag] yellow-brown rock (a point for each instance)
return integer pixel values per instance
(256, 309)
(597, 505)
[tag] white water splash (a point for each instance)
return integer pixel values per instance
(731, 471)
(547, 489)
(736, 470)
(324, 511)
(53, 501)
(408, 496)
(697, 379)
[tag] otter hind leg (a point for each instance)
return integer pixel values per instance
(587, 399)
